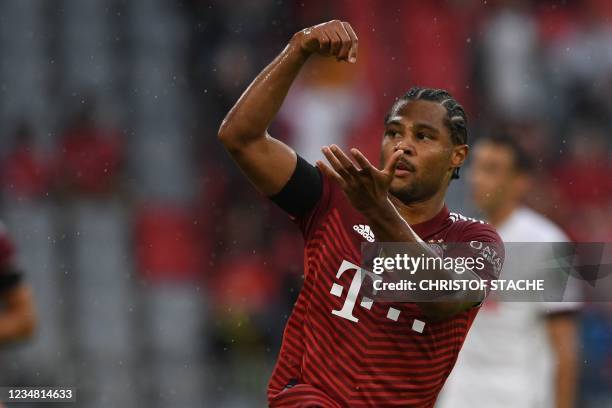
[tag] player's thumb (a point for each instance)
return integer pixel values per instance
(352, 57)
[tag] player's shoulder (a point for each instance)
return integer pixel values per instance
(472, 229)
(530, 226)
(460, 219)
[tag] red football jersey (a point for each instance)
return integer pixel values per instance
(347, 351)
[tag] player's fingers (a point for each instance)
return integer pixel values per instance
(390, 167)
(344, 160)
(329, 172)
(361, 160)
(324, 42)
(335, 163)
(345, 39)
(334, 41)
(352, 56)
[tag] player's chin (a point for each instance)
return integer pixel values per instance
(401, 186)
(403, 180)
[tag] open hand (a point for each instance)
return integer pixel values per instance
(365, 186)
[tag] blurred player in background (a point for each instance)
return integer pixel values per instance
(340, 348)
(517, 354)
(17, 315)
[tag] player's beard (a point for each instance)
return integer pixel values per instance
(407, 192)
(413, 191)
(416, 189)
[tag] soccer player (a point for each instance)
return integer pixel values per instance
(17, 318)
(339, 347)
(517, 354)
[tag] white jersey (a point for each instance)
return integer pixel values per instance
(507, 360)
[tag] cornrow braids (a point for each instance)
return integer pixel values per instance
(455, 120)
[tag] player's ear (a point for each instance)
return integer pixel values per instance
(459, 155)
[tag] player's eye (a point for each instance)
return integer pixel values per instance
(422, 136)
(392, 133)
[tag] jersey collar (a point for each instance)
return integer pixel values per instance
(433, 225)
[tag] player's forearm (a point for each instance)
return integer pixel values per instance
(389, 226)
(566, 384)
(252, 114)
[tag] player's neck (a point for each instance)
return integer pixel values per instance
(419, 211)
(500, 215)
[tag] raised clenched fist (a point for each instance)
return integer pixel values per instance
(333, 38)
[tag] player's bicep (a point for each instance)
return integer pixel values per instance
(267, 162)
(303, 190)
(278, 172)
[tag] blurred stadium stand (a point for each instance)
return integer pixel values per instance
(161, 277)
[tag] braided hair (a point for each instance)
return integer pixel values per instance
(455, 120)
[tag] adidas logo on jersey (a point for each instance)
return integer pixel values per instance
(364, 231)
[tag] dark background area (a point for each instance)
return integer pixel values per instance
(161, 277)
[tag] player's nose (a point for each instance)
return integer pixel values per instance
(407, 148)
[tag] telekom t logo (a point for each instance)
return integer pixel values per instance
(351, 298)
